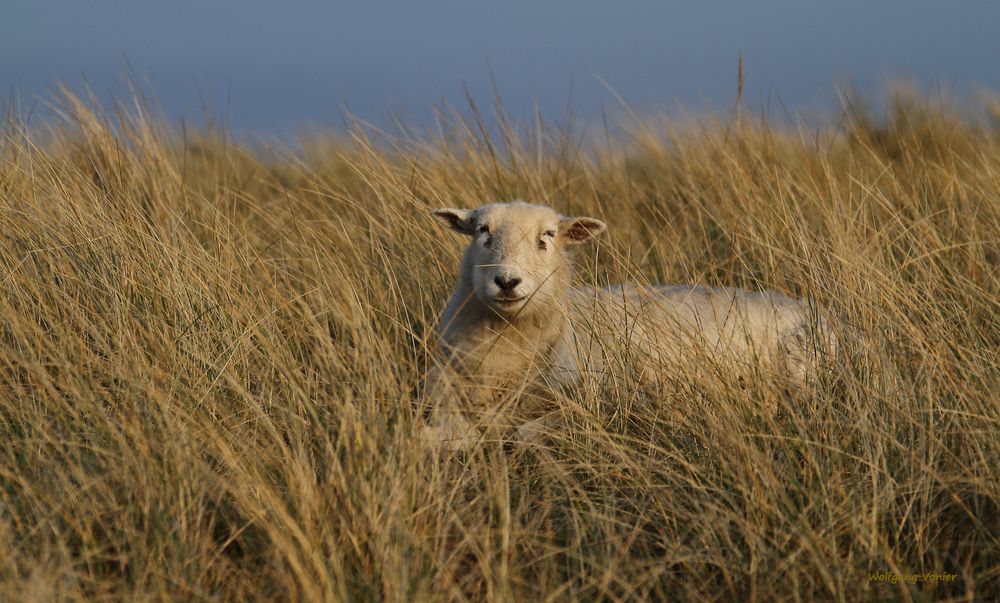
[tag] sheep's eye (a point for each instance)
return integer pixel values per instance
(542, 243)
(483, 229)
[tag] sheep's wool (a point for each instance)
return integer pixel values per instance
(514, 321)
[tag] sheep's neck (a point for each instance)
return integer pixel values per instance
(481, 343)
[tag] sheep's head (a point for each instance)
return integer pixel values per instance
(516, 260)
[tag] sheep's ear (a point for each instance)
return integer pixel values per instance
(578, 230)
(460, 220)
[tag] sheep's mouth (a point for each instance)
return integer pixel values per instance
(506, 301)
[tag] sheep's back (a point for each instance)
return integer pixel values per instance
(669, 325)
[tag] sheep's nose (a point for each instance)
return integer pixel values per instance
(506, 284)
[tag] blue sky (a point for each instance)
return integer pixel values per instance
(276, 66)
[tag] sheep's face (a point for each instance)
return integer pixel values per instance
(515, 262)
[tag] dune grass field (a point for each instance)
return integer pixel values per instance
(209, 353)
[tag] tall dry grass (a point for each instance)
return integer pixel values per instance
(208, 353)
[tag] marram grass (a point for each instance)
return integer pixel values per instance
(209, 353)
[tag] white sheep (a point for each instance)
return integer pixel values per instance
(513, 319)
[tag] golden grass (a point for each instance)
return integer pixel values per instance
(208, 353)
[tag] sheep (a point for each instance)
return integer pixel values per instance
(514, 320)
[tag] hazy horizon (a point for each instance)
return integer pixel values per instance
(279, 69)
